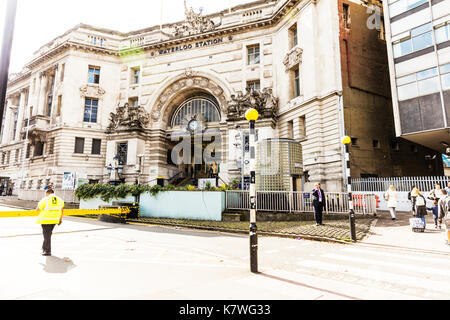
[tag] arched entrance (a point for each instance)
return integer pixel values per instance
(189, 135)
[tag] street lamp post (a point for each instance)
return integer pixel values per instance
(252, 115)
(346, 141)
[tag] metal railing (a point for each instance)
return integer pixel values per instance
(400, 183)
(286, 201)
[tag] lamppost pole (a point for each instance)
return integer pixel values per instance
(252, 115)
(346, 141)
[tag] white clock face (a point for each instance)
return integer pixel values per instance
(193, 124)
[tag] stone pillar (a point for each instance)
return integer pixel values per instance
(6, 134)
(42, 93)
(55, 94)
(20, 117)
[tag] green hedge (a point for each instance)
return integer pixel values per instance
(107, 192)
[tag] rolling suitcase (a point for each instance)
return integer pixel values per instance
(417, 225)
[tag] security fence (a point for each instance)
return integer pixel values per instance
(290, 201)
(401, 184)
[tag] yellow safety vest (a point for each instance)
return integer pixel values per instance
(51, 210)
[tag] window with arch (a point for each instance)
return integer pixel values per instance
(200, 105)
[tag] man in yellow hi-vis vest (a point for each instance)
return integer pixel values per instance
(50, 210)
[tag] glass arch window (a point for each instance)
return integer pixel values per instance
(195, 106)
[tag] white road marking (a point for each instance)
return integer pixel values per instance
(370, 273)
(396, 265)
(394, 255)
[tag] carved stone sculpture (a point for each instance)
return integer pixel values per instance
(265, 102)
(194, 23)
(292, 58)
(128, 117)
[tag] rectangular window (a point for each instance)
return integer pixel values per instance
(400, 6)
(63, 70)
(255, 85)
(122, 153)
(38, 149)
(418, 84)
(253, 54)
(296, 82)
(421, 38)
(376, 144)
(96, 146)
(94, 75)
(442, 33)
(290, 128)
(445, 76)
(133, 102)
(59, 106)
(90, 110)
(355, 142)
(79, 145)
(17, 157)
(293, 36)
(346, 16)
(135, 75)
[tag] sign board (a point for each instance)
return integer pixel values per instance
(68, 182)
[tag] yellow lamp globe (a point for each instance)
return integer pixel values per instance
(346, 140)
(251, 114)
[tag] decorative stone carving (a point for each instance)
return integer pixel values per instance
(264, 101)
(194, 23)
(92, 91)
(293, 57)
(128, 118)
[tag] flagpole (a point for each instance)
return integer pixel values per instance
(161, 20)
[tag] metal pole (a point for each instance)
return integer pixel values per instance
(8, 32)
(242, 159)
(351, 212)
(253, 228)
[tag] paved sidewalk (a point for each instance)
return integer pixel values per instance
(397, 233)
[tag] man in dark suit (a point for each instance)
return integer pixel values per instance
(318, 203)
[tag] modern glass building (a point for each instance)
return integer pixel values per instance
(418, 44)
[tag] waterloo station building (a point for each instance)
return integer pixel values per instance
(315, 69)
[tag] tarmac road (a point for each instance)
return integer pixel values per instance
(96, 260)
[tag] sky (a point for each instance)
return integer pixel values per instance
(40, 21)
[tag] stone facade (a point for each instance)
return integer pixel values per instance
(108, 88)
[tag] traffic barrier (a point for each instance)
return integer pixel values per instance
(68, 212)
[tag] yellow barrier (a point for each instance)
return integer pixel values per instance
(67, 212)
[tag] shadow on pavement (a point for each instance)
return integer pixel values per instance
(57, 265)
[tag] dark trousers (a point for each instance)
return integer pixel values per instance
(47, 230)
(318, 208)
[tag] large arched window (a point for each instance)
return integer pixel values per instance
(199, 105)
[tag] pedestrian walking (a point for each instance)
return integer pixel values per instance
(318, 203)
(391, 197)
(435, 210)
(421, 207)
(436, 193)
(447, 188)
(50, 210)
(444, 214)
(443, 207)
(412, 197)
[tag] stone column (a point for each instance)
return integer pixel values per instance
(42, 93)
(20, 117)
(6, 134)
(55, 94)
